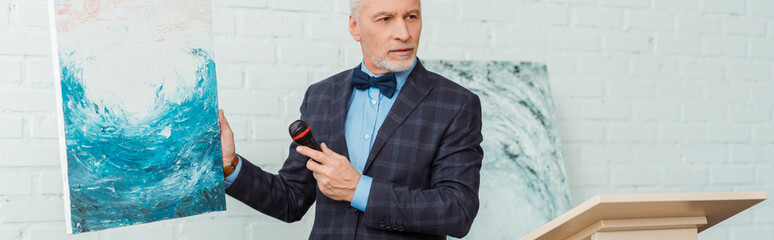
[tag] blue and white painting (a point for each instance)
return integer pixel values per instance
(523, 177)
(138, 111)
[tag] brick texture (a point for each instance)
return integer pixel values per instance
(651, 96)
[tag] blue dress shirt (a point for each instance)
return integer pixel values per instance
(367, 110)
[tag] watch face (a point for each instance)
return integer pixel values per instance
(229, 169)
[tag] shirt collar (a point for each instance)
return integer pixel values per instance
(400, 77)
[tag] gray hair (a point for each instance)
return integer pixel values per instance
(354, 8)
(356, 5)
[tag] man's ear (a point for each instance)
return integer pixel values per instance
(353, 29)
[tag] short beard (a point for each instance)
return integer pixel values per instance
(400, 66)
(389, 66)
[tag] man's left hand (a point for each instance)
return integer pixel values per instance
(336, 177)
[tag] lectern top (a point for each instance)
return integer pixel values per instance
(716, 207)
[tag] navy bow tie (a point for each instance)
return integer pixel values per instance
(386, 83)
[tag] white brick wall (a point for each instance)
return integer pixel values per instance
(651, 96)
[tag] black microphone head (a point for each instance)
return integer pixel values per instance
(297, 127)
(301, 133)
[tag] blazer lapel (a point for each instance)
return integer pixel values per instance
(414, 90)
(340, 93)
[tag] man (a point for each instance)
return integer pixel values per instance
(400, 145)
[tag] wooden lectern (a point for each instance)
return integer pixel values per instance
(646, 216)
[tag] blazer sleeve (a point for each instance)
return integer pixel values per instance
(451, 204)
(285, 196)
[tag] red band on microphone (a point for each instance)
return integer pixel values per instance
(302, 134)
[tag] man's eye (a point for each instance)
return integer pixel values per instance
(384, 19)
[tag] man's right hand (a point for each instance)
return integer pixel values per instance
(227, 145)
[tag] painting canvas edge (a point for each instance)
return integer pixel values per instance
(60, 116)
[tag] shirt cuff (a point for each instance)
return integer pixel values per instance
(360, 200)
(230, 179)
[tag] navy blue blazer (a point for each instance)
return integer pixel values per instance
(425, 163)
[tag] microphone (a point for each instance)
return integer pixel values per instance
(302, 134)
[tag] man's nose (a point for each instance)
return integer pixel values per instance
(400, 31)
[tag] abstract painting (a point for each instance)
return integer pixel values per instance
(523, 177)
(138, 111)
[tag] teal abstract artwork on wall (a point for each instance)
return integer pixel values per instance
(523, 177)
(138, 111)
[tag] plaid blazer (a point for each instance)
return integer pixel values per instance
(424, 163)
